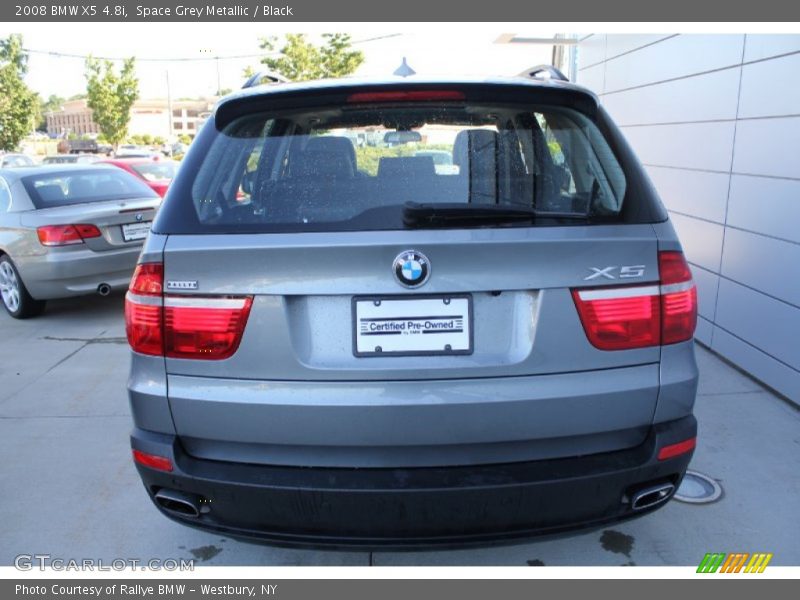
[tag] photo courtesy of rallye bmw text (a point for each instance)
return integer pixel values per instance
(315, 285)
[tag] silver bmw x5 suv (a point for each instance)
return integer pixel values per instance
(335, 343)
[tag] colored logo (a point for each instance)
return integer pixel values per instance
(411, 268)
(737, 562)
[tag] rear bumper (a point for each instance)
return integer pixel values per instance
(409, 508)
(77, 271)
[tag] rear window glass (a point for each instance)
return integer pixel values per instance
(356, 167)
(61, 188)
(155, 171)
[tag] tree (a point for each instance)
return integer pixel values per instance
(111, 96)
(300, 60)
(52, 104)
(18, 104)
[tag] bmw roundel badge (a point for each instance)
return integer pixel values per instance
(411, 268)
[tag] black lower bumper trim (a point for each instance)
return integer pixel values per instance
(405, 508)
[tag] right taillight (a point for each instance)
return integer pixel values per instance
(620, 318)
(678, 298)
(177, 326)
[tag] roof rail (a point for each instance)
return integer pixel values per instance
(258, 79)
(544, 72)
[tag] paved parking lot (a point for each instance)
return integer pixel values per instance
(69, 488)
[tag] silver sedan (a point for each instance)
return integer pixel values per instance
(69, 230)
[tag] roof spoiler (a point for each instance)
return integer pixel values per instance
(259, 79)
(544, 72)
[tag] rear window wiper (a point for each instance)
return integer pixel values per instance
(439, 214)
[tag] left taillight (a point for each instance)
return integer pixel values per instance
(192, 327)
(143, 309)
(620, 318)
(66, 235)
(204, 328)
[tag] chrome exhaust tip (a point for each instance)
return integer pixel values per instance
(652, 495)
(177, 503)
(104, 289)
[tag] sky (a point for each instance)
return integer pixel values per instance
(431, 49)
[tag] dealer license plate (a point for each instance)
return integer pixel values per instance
(417, 326)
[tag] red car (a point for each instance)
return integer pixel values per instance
(157, 173)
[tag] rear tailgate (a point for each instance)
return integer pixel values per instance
(296, 393)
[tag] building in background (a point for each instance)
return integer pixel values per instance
(151, 117)
(716, 121)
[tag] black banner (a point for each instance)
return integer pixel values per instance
(332, 589)
(408, 11)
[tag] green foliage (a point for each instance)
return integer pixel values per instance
(144, 139)
(111, 96)
(185, 138)
(159, 141)
(19, 106)
(300, 60)
(52, 104)
(368, 157)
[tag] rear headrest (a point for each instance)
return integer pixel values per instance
(474, 141)
(110, 186)
(325, 156)
(79, 188)
(406, 167)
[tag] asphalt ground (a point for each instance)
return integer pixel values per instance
(68, 487)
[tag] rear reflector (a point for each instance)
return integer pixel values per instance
(620, 318)
(160, 463)
(66, 235)
(194, 327)
(406, 96)
(674, 450)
